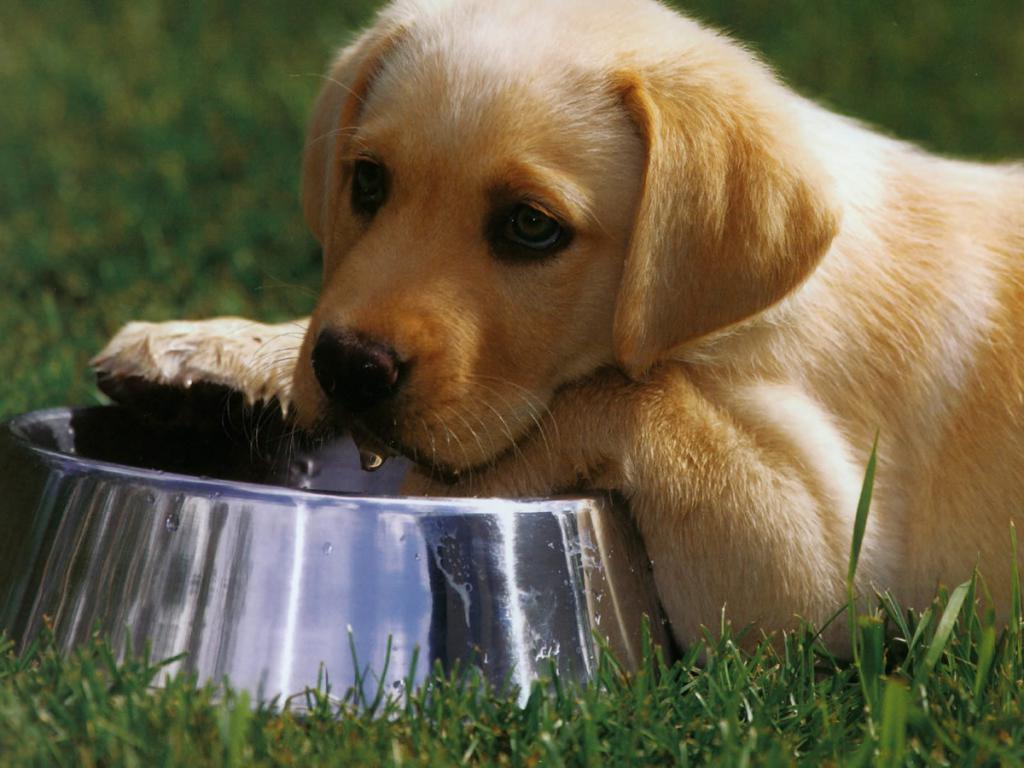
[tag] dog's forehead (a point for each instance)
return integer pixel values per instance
(485, 95)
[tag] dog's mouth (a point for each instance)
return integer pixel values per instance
(376, 448)
(449, 442)
(376, 445)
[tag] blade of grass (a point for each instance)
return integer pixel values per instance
(382, 680)
(895, 704)
(970, 616)
(945, 626)
(895, 613)
(871, 662)
(409, 686)
(1015, 601)
(924, 621)
(861, 520)
(859, 526)
(236, 714)
(986, 652)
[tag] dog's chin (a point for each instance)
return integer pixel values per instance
(431, 458)
(380, 436)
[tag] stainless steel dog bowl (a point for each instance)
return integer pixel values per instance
(167, 537)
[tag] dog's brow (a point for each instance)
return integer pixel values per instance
(546, 187)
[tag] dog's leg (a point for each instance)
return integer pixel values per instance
(729, 524)
(197, 362)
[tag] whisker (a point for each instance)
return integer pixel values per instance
(281, 285)
(462, 447)
(505, 426)
(326, 77)
(530, 401)
(527, 394)
(344, 86)
(433, 448)
(333, 133)
(274, 359)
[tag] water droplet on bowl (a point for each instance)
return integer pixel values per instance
(327, 548)
(172, 522)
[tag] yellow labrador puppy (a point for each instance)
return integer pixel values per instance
(572, 244)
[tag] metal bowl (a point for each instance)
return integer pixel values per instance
(184, 540)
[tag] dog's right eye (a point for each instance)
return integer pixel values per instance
(369, 187)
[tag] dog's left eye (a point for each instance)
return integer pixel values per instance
(525, 227)
(369, 187)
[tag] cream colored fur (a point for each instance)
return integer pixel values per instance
(756, 287)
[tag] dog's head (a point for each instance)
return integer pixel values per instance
(512, 195)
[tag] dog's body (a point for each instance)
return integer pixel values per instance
(748, 288)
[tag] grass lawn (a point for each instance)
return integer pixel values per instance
(946, 689)
(149, 155)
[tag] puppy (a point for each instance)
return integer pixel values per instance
(574, 245)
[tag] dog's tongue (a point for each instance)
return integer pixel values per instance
(372, 454)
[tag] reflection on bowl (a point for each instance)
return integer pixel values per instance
(185, 540)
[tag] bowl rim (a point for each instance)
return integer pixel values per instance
(11, 428)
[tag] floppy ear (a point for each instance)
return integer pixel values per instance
(337, 106)
(733, 213)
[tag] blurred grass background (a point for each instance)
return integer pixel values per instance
(149, 149)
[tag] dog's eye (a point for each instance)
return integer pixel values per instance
(369, 187)
(529, 227)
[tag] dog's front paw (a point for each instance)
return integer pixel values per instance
(198, 368)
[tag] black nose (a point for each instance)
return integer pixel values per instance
(354, 370)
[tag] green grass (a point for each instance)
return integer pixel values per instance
(940, 688)
(149, 157)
